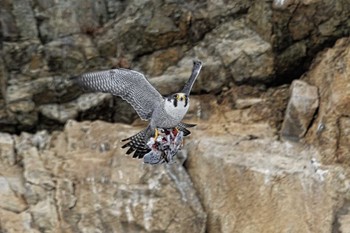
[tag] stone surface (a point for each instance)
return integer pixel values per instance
(296, 29)
(343, 220)
(330, 75)
(12, 190)
(300, 111)
(249, 182)
(79, 180)
(7, 152)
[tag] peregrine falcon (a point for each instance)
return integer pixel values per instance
(163, 112)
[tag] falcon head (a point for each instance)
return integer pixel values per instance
(178, 99)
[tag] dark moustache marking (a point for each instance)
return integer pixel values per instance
(186, 100)
(175, 102)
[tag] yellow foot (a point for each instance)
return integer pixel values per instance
(156, 134)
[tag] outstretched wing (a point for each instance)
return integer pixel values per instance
(130, 85)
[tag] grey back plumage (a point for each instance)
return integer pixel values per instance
(130, 85)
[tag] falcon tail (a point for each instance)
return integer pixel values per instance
(182, 127)
(138, 144)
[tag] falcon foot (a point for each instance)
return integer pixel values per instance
(164, 147)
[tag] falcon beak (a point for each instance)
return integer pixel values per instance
(181, 97)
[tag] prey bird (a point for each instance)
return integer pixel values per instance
(163, 112)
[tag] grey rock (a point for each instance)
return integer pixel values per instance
(65, 196)
(9, 221)
(41, 210)
(3, 79)
(70, 110)
(34, 194)
(24, 106)
(10, 199)
(8, 23)
(246, 103)
(115, 8)
(344, 224)
(139, 31)
(34, 169)
(26, 23)
(7, 150)
(17, 55)
(302, 105)
(230, 52)
(60, 19)
(285, 23)
(222, 9)
(12, 188)
(70, 53)
(244, 52)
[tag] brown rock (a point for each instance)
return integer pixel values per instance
(301, 108)
(11, 191)
(9, 222)
(3, 79)
(345, 225)
(257, 184)
(44, 214)
(159, 61)
(82, 181)
(330, 129)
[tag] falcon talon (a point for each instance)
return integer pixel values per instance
(164, 150)
(163, 112)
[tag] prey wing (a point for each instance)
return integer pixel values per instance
(130, 85)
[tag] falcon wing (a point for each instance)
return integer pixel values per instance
(197, 65)
(130, 85)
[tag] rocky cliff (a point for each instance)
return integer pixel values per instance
(271, 149)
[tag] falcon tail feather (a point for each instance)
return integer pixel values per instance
(138, 144)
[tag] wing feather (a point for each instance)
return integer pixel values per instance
(130, 85)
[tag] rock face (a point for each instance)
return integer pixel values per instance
(58, 175)
(330, 74)
(45, 42)
(257, 184)
(80, 181)
(301, 108)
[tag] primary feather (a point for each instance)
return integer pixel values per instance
(130, 85)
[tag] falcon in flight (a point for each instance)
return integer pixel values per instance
(163, 112)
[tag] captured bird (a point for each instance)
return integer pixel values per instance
(163, 112)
